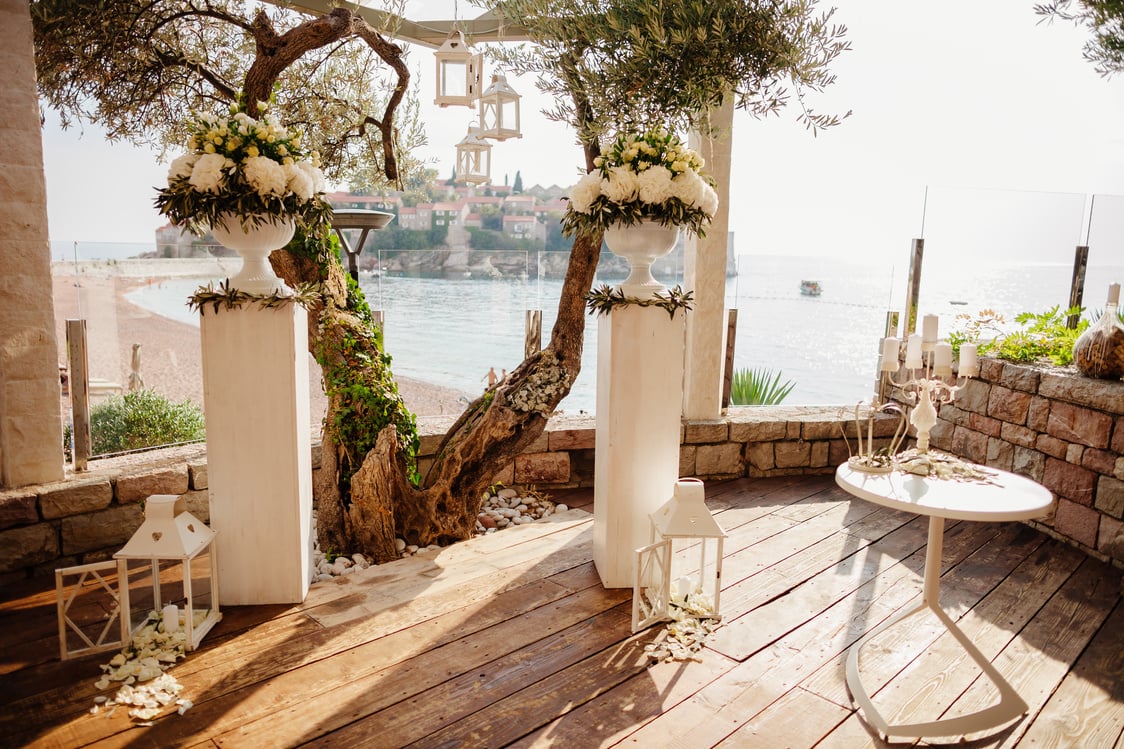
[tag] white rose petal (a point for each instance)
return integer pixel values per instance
(265, 175)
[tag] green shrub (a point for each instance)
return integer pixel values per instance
(759, 387)
(1043, 337)
(143, 418)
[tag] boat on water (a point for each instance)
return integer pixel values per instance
(810, 288)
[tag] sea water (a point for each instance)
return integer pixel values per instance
(449, 332)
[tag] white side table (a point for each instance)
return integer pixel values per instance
(1008, 497)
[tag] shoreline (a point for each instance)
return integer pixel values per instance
(170, 350)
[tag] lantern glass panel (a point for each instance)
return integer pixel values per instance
(453, 78)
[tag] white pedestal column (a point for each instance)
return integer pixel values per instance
(259, 464)
(639, 402)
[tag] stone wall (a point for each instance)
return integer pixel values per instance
(1057, 427)
(87, 517)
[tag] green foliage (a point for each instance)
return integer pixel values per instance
(1105, 21)
(517, 185)
(605, 298)
(142, 418)
(483, 239)
(1043, 337)
(759, 387)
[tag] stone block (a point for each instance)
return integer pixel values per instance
(572, 439)
(991, 369)
(789, 454)
(792, 430)
(1118, 470)
(198, 503)
(1073, 454)
(317, 451)
(1017, 377)
(1078, 522)
(698, 432)
(974, 396)
(1038, 413)
(1102, 395)
(1052, 446)
(506, 476)
(955, 415)
(108, 529)
(1008, 405)
(1117, 444)
(18, 507)
(687, 460)
(75, 497)
(1018, 435)
(1029, 463)
(820, 454)
(970, 444)
(583, 465)
(1067, 480)
(1077, 424)
(28, 546)
(837, 452)
(1110, 539)
(755, 430)
(940, 436)
(989, 426)
(542, 468)
(1110, 497)
(719, 460)
(197, 473)
(1000, 454)
(759, 456)
(140, 486)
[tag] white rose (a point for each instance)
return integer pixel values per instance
(181, 167)
(206, 175)
(265, 175)
(654, 185)
(299, 182)
(585, 192)
(621, 185)
(689, 188)
(709, 202)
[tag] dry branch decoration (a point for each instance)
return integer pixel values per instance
(605, 298)
(305, 294)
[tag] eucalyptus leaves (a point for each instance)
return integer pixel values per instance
(651, 175)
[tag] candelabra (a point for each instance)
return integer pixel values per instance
(929, 380)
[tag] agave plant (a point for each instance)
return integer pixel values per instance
(759, 387)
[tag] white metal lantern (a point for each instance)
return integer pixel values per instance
(474, 158)
(499, 110)
(178, 547)
(459, 72)
(669, 569)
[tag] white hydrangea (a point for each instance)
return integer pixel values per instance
(298, 181)
(181, 168)
(315, 174)
(265, 175)
(655, 185)
(585, 192)
(207, 173)
(690, 188)
(621, 186)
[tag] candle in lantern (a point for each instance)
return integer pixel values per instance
(171, 618)
(913, 352)
(890, 355)
(942, 360)
(929, 329)
(969, 360)
(1114, 293)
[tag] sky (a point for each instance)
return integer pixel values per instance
(974, 125)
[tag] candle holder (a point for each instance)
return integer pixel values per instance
(931, 382)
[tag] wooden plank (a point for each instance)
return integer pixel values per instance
(591, 710)
(1088, 708)
(362, 720)
(798, 719)
(1038, 659)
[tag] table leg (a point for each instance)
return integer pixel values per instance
(1010, 705)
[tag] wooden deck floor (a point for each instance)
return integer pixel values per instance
(510, 640)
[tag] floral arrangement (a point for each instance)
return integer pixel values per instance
(649, 176)
(253, 169)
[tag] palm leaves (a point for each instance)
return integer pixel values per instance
(759, 387)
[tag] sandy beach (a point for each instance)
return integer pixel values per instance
(170, 351)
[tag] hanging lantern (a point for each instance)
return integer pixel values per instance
(459, 72)
(661, 578)
(474, 158)
(499, 110)
(181, 542)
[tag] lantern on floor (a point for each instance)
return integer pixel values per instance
(499, 110)
(474, 158)
(178, 550)
(683, 564)
(459, 72)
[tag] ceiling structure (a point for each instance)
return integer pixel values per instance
(488, 27)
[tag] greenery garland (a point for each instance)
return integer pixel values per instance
(605, 298)
(226, 297)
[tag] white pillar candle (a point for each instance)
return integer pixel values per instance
(969, 361)
(1114, 293)
(942, 360)
(929, 329)
(913, 352)
(171, 618)
(890, 354)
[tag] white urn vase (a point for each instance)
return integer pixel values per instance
(641, 245)
(254, 241)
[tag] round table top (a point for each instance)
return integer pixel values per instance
(1008, 496)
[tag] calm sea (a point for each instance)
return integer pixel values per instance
(451, 331)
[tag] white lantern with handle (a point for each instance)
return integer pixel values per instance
(499, 110)
(459, 72)
(671, 569)
(474, 158)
